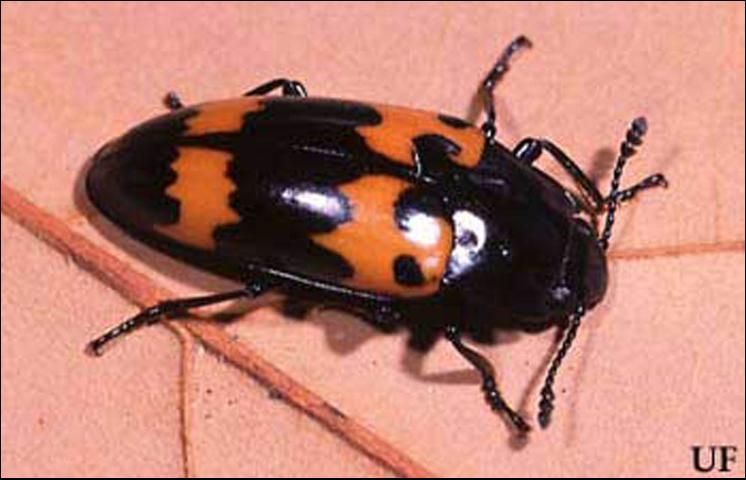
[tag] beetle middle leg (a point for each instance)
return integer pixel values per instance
(171, 308)
(491, 393)
(290, 88)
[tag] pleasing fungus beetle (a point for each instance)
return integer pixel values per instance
(398, 212)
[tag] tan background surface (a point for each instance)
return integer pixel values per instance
(657, 368)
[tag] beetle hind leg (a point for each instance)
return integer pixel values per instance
(171, 308)
(489, 387)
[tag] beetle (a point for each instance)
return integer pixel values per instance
(404, 214)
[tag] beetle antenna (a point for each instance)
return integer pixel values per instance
(546, 403)
(492, 79)
(628, 147)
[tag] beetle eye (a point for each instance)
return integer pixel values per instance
(467, 239)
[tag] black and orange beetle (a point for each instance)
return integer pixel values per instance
(407, 215)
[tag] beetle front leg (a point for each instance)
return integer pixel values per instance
(529, 150)
(489, 387)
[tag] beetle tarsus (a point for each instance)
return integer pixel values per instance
(498, 404)
(146, 317)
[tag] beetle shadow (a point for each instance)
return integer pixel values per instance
(505, 121)
(344, 334)
(602, 162)
(475, 107)
(509, 331)
(347, 327)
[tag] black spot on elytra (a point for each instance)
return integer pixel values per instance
(417, 200)
(407, 272)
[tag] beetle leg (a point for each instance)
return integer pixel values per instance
(493, 78)
(529, 149)
(489, 387)
(298, 282)
(385, 315)
(379, 309)
(290, 88)
(170, 308)
(172, 101)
